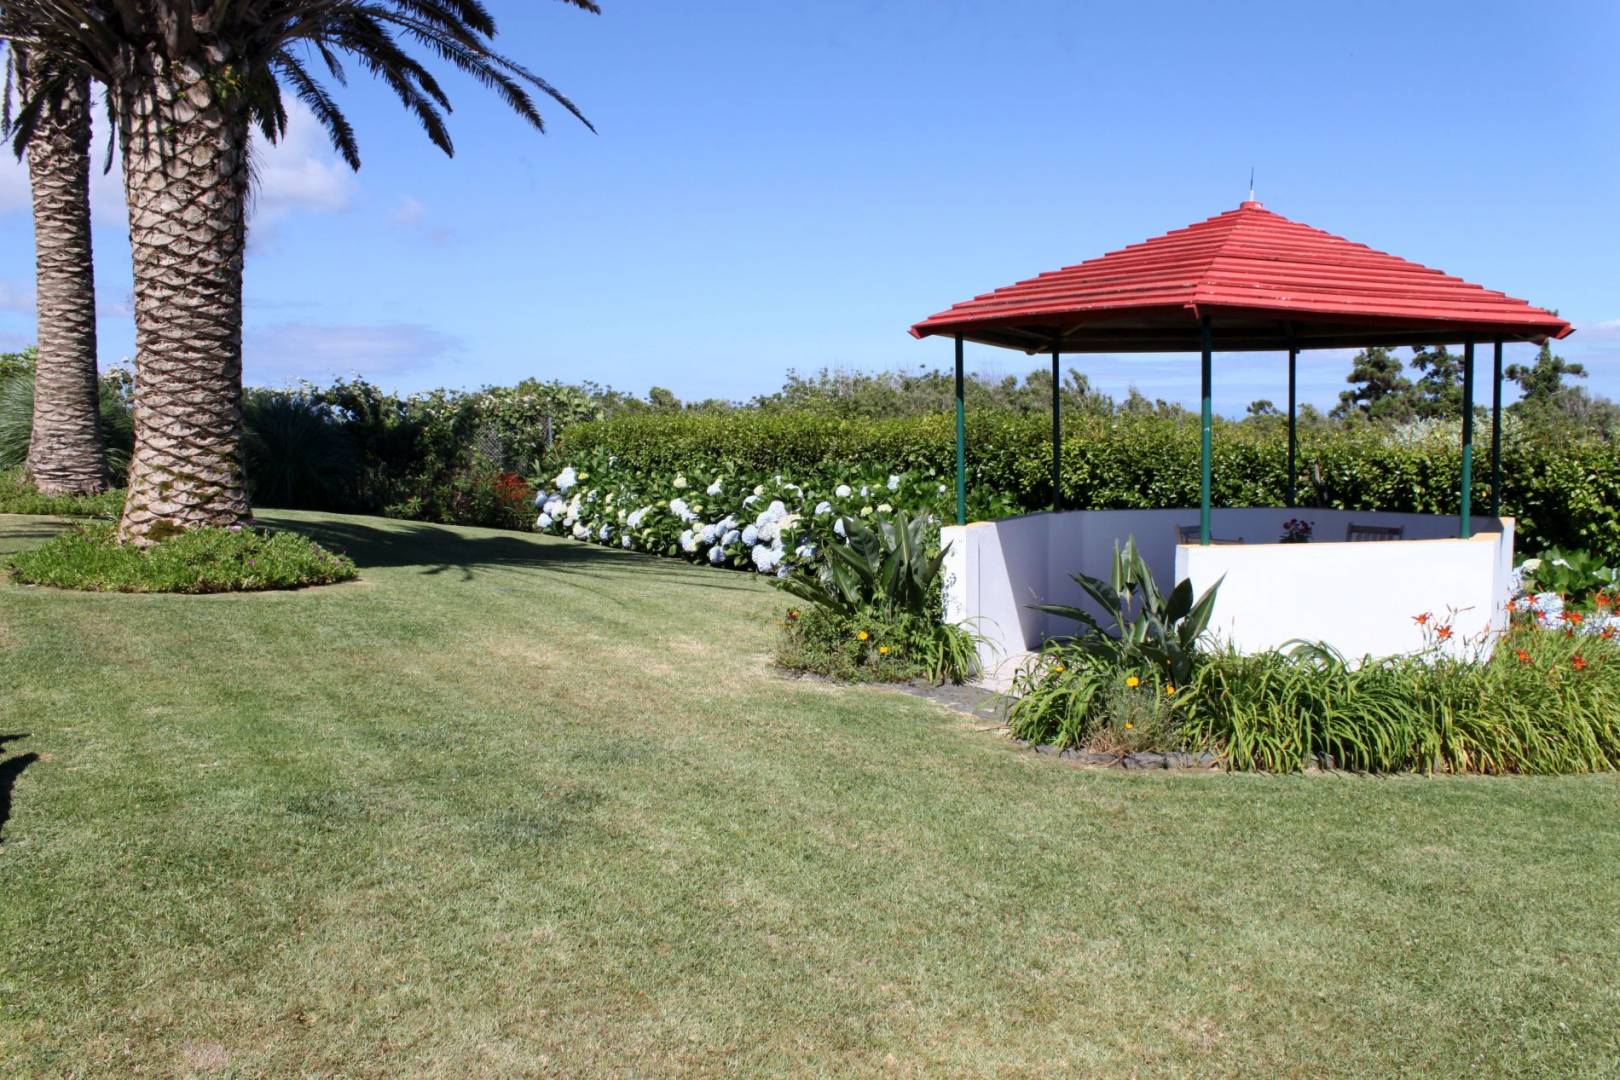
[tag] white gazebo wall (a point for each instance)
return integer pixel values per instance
(1357, 597)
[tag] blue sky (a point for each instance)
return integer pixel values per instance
(785, 185)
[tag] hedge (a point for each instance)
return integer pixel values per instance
(1564, 493)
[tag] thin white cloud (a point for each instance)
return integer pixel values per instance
(286, 351)
(410, 212)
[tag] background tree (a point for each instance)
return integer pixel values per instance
(1437, 391)
(1543, 381)
(66, 454)
(1380, 388)
(186, 82)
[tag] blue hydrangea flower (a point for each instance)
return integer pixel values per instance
(717, 555)
(714, 488)
(566, 479)
(894, 483)
(750, 535)
(823, 507)
(731, 537)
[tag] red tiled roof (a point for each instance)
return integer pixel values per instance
(1265, 282)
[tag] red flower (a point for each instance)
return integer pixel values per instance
(1573, 617)
(1423, 619)
(1443, 633)
(1579, 663)
(1524, 657)
(1607, 633)
(1602, 600)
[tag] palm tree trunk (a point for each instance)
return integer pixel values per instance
(186, 178)
(65, 453)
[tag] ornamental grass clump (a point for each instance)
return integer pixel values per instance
(213, 560)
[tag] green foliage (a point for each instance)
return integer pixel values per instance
(88, 557)
(1151, 630)
(16, 417)
(875, 607)
(1565, 492)
(1576, 576)
(1543, 702)
(296, 452)
(874, 644)
(18, 496)
(893, 394)
(891, 566)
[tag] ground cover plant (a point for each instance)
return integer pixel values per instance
(241, 559)
(519, 806)
(18, 496)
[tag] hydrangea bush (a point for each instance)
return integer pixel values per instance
(724, 516)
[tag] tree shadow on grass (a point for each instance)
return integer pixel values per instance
(440, 550)
(10, 769)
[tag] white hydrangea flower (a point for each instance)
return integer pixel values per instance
(750, 535)
(778, 510)
(708, 533)
(581, 532)
(566, 479)
(751, 500)
(766, 558)
(625, 541)
(717, 555)
(605, 532)
(731, 537)
(894, 482)
(727, 523)
(554, 506)
(1530, 566)
(885, 508)
(805, 552)
(544, 521)
(842, 491)
(636, 517)
(680, 483)
(942, 489)
(838, 527)
(687, 541)
(767, 532)
(714, 488)
(823, 507)
(865, 491)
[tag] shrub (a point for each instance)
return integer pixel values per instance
(296, 452)
(1578, 578)
(18, 496)
(88, 557)
(1565, 492)
(874, 608)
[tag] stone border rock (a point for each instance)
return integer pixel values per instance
(1141, 759)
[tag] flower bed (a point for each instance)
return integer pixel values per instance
(724, 517)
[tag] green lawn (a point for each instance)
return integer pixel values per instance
(512, 806)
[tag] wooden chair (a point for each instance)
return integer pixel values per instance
(1354, 533)
(1188, 534)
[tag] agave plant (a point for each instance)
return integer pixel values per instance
(1147, 625)
(886, 566)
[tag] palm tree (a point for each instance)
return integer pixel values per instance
(65, 450)
(186, 82)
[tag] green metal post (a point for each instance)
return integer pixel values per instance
(1496, 432)
(1206, 445)
(961, 440)
(1293, 430)
(1057, 436)
(1465, 522)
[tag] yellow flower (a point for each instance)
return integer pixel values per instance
(862, 635)
(1133, 682)
(1059, 669)
(883, 650)
(1129, 725)
(1169, 690)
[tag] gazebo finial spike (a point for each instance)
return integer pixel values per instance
(1251, 183)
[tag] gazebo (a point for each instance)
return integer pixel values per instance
(1243, 281)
